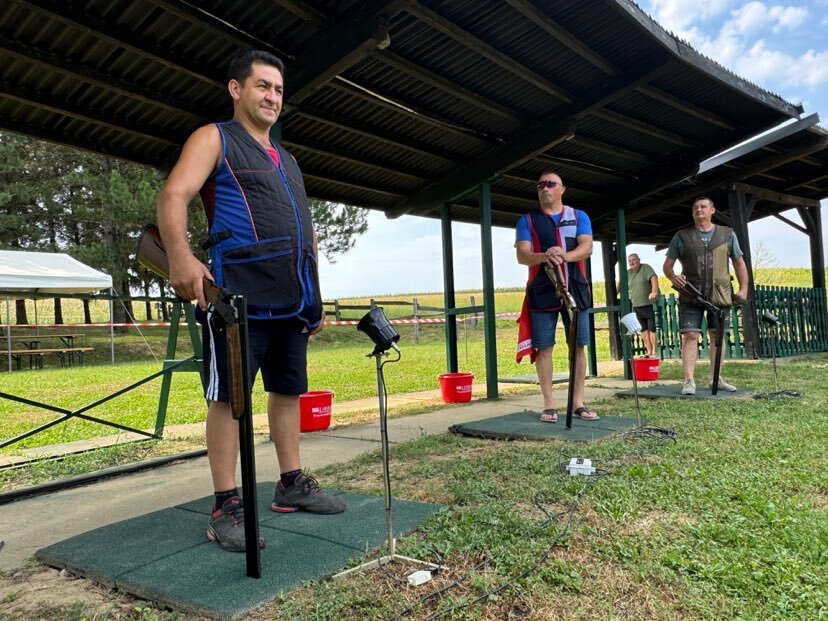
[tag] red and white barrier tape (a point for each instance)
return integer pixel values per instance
(164, 324)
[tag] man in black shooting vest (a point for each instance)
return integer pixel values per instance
(262, 245)
(555, 235)
(703, 250)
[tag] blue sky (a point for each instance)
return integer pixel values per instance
(781, 47)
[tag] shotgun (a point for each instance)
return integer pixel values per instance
(695, 295)
(555, 274)
(153, 256)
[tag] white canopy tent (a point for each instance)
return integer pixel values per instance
(45, 272)
(23, 272)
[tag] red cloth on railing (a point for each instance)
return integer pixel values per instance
(524, 344)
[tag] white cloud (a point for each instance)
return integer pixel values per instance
(678, 15)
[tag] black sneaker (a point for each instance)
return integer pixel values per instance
(305, 495)
(226, 526)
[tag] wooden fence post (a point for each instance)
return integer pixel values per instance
(416, 314)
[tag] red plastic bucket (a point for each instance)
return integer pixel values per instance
(646, 369)
(456, 387)
(315, 410)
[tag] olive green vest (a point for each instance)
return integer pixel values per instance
(706, 265)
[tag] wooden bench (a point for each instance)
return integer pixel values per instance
(67, 356)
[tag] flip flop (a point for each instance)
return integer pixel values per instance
(550, 415)
(584, 413)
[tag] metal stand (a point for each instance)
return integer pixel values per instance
(635, 385)
(391, 557)
(573, 353)
(717, 361)
(247, 451)
(774, 331)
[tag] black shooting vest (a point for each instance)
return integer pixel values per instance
(261, 234)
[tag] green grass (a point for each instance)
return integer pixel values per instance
(729, 522)
(337, 361)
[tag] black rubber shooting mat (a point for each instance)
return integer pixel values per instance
(165, 556)
(527, 426)
(673, 391)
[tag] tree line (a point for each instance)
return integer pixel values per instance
(92, 206)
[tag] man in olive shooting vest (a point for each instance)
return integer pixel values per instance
(704, 250)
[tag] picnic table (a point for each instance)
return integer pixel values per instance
(67, 352)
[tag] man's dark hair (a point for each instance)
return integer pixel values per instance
(703, 198)
(241, 67)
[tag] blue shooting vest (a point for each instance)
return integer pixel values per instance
(540, 290)
(261, 234)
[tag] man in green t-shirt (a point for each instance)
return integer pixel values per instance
(643, 291)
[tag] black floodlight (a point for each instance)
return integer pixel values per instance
(376, 325)
(770, 319)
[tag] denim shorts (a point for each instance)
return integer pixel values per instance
(544, 324)
(690, 318)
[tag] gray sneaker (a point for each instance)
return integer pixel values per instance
(226, 526)
(723, 385)
(689, 387)
(305, 495)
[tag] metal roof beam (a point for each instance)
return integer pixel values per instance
(791, 223)
(326, 177)
(387, 137)
(327, 54)
(83, 113)
(49, 135)
(807, 182)
(387, 102)
(644, 128)
(587, 167)
(204, 19)
(550, 26)
(473, 42)
(360, 160)
(685, 106)
(450, 86)
(763, 141)
(781, 198)
(131, 41)
(611, 149)
(723, 180)
(73, 69)
(521, 146)
(304, 11)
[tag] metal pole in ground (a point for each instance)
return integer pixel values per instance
(247, 451)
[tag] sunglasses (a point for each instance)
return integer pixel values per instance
(548, 184)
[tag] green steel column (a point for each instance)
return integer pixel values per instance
(623, 281)
(166, 380)
(490, 329)
(448, 289)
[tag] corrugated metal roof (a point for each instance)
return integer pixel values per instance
(403, 105)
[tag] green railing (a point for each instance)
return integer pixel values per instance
(802, 329)
(802, 320)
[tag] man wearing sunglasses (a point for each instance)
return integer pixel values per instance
(553, 235)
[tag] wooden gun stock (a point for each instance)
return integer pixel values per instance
(153, 256)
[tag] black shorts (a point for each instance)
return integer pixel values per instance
(646, 317)
(278, 347)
